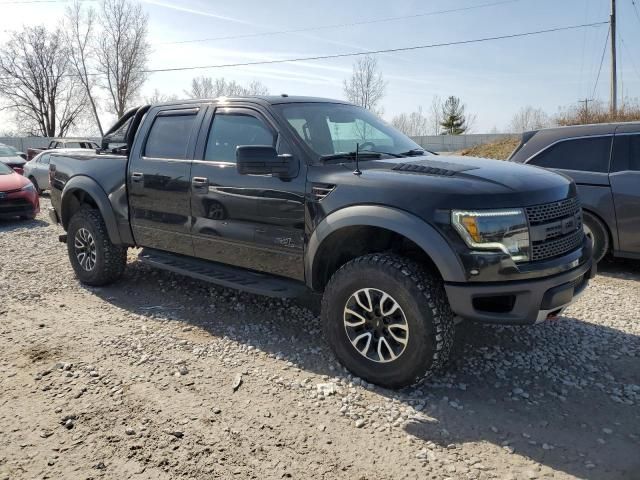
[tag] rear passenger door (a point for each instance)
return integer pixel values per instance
(625, 185)
(41, 171)
(159, 178)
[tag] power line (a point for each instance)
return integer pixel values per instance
(604, 51)
(369, 52)
(635, 9)
(342, 25)
(630, 57)
(386, 50)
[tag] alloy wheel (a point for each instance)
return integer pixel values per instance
(85, 249)
(376, 325)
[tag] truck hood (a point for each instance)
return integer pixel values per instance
(447, 182)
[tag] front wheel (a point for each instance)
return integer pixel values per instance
(36, 186)
(95, 260)
(388, 320)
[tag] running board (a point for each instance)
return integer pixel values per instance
(224, 275)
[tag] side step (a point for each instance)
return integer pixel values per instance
(224, 275)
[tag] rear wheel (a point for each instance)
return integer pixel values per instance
(388, 320)
(95, 260)
(595, 230)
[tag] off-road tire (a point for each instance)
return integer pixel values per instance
(599, 234)
(422, 298)
(110, 260)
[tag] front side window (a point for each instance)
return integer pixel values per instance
(331, 128)
(44, 159)
(169, 136)
(626, 153)
(582, 154)
(229, 130)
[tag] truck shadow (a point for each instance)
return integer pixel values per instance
(564, 394)
(623, 268)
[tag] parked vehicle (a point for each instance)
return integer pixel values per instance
(18, 196)
(12, 157)
(283, 196)
(37, 170)
(56, 143)
(604, 160)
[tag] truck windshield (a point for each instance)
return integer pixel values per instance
(330, 129)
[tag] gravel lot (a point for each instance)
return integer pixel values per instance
(164, 377)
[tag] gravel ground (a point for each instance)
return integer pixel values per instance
(161, 377)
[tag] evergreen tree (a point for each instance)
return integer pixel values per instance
(453, 117)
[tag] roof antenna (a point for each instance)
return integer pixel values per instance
(357, 170)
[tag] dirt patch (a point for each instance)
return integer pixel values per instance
(500, 150)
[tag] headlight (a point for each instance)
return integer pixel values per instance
(505, 230)
(28, 188)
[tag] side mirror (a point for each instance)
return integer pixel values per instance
(22, 155)
(262, 160)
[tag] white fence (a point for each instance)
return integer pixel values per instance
(23, 143)
(453, 143)
(435, 143)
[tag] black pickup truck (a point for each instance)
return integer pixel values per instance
(282, 196)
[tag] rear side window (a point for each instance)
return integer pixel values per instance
(582, 154)
(169, 136)
(626, 153)
(230, 130)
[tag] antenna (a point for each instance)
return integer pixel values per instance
(357, 170)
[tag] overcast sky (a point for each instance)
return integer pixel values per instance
(494, 79)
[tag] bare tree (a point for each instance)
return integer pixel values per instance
(79, 28)
(529, 118)
(435, 115)
(122, 52)
(366, 86)
(206, 87)
(158, 97)
(36, 82)
(414, 124)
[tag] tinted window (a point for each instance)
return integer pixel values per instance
(584, 154)
(230, 130)
(626, 153)
(169, 136)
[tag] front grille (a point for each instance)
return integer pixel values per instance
(17, 206)
(555, 228)
(557, 247)
(552, 211)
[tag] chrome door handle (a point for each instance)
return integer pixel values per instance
(200, 181)
(137, 176)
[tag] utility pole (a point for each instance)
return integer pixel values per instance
(586, 108)
(614, 73)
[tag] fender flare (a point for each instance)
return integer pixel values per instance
(414, 228)
(99, 196)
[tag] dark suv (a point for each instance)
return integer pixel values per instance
(604, 161)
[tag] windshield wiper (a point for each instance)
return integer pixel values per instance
(367, 154)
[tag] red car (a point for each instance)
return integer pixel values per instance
(18, 196)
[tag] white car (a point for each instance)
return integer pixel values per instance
(37, 169)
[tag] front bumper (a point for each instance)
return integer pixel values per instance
(19, 204)
(520, 302)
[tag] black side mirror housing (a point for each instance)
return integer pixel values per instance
(22, 155)
(263, 160)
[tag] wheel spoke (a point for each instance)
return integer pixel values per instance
(369, 307)
(383, 341)
(400, 340)
(394, 306)
(358, 339)
(361, 319)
